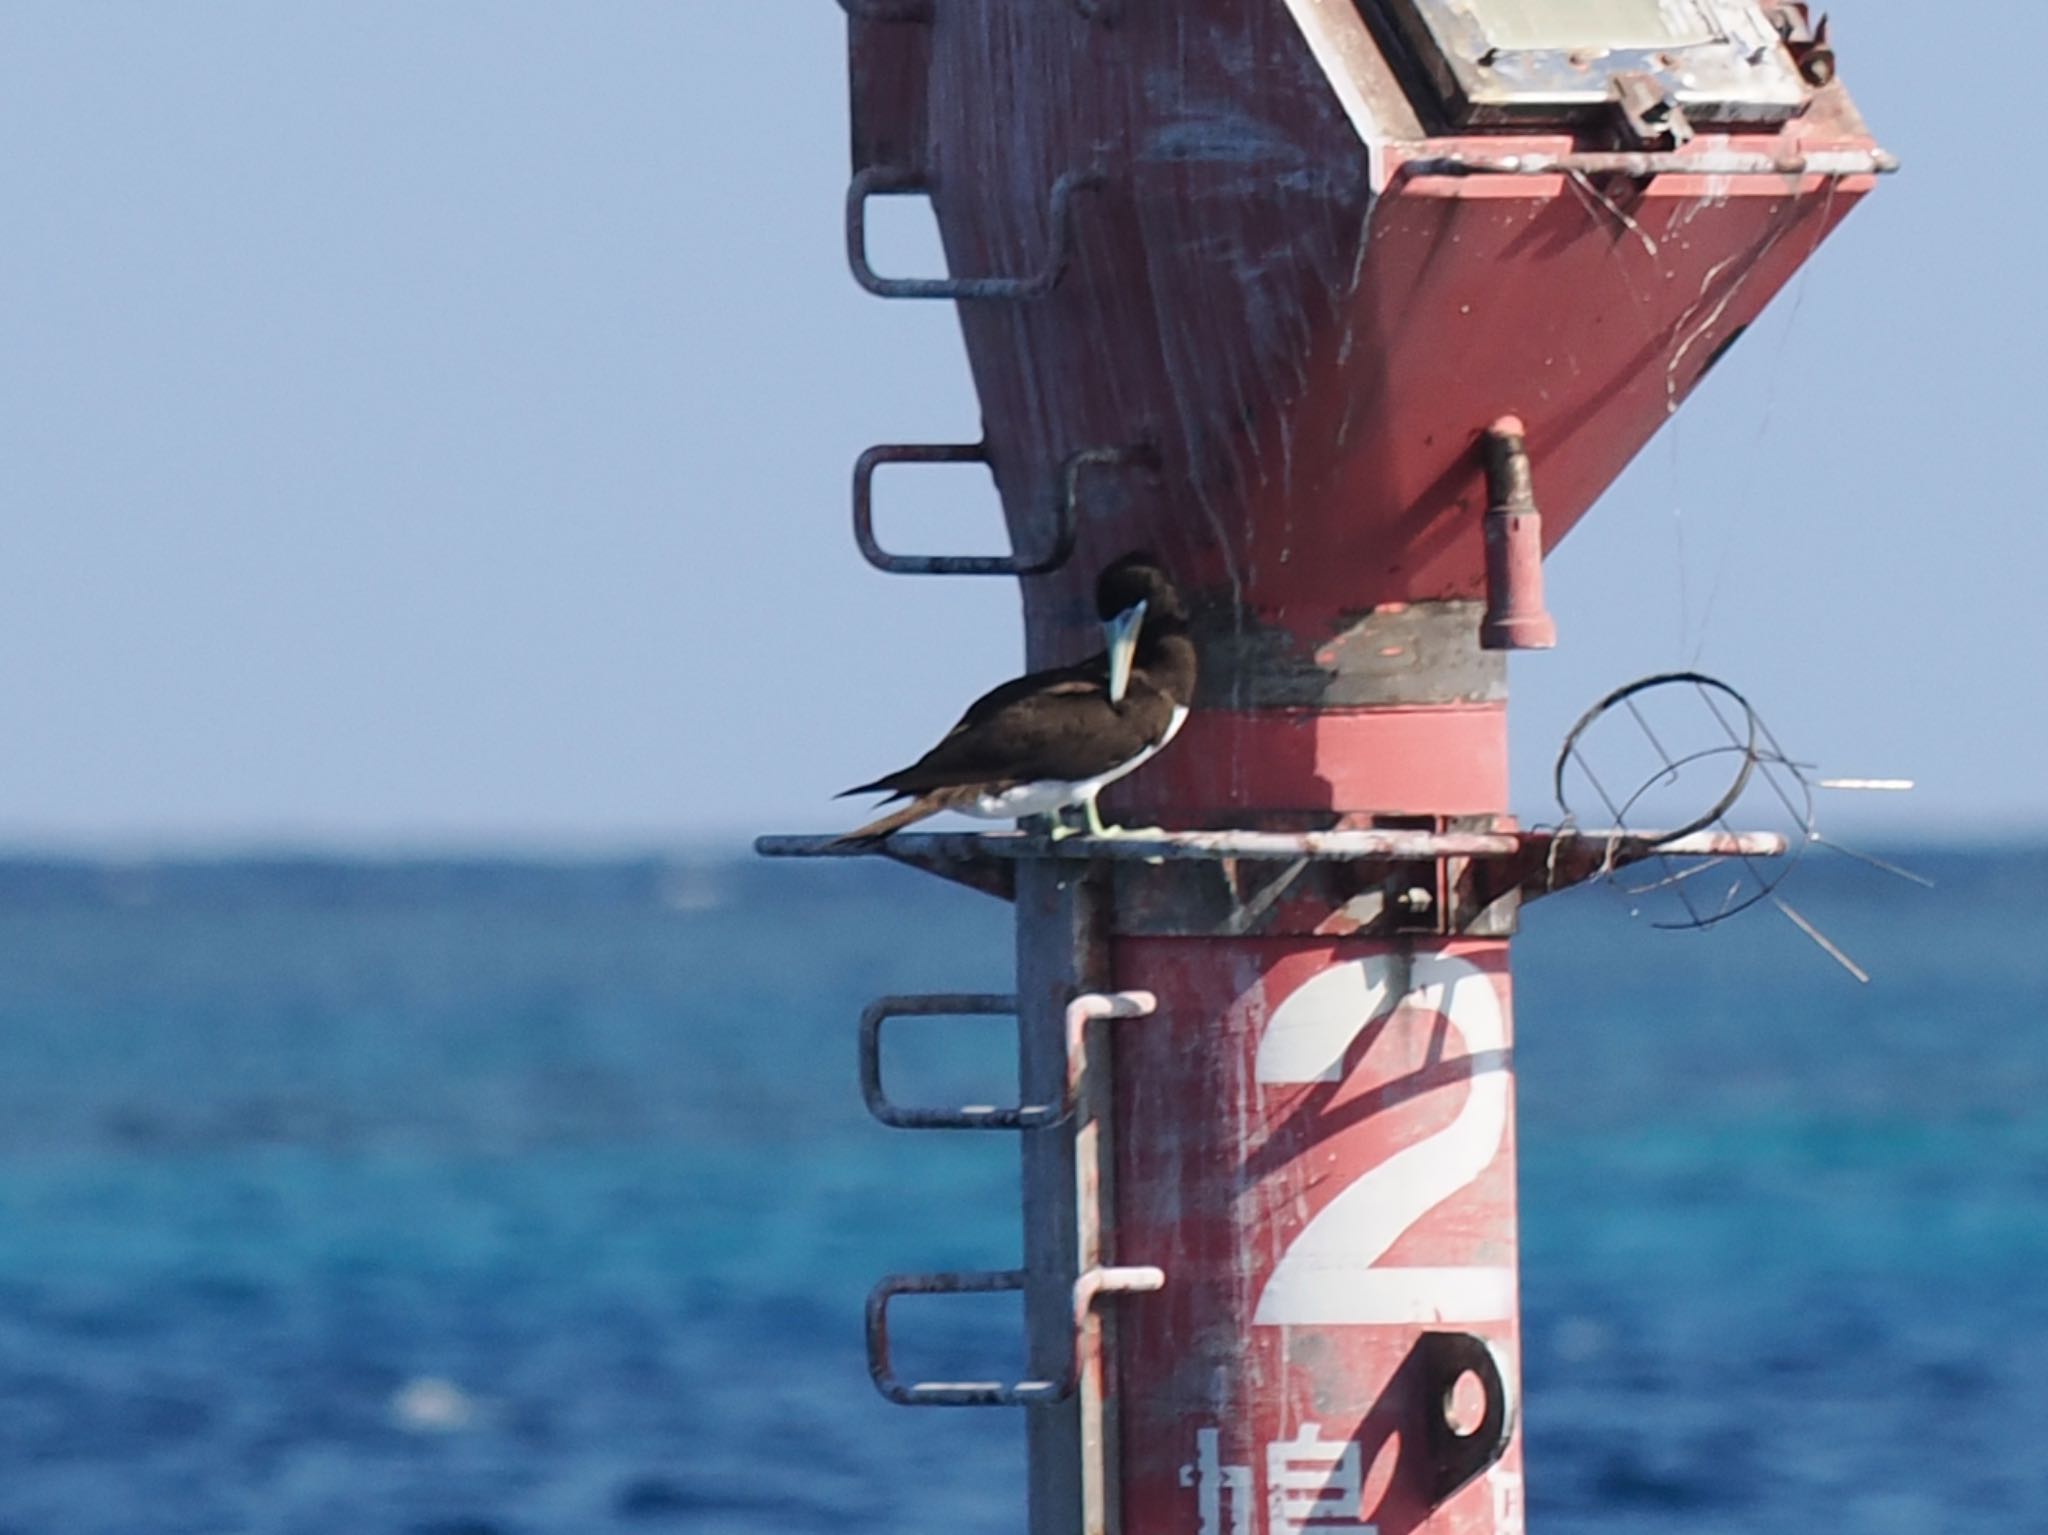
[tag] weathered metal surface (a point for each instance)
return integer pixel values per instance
(1062, 952)
(1400, 654)
(889, 50)
(1315, 339)
(996, 877)
(1241, 898)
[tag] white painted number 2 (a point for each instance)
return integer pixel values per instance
(1331, 1273)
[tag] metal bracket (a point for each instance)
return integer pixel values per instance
(1811, 46)
(1095, 1283)
(898, 181)
(1066, 508)
(1651, 117)
(1455, 1459)
(1044, 1116)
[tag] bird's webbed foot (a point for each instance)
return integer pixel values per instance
(1097, 827)
(1053, 826)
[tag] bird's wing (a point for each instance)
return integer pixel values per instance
(1052, 725)
(1090, 677)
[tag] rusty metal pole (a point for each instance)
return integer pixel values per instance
(1515, 615)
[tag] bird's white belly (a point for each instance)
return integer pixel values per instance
(1044, 796)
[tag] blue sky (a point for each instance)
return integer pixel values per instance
(409, 412)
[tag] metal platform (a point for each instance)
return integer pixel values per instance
(1621, 847)
(1534, 862)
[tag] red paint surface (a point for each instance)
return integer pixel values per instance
(1490, 295)
(1219, 1176)
(1448, 761)
(1358, 478)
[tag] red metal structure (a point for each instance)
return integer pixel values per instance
(1312, 298)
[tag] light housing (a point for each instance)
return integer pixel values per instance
(1558, 61)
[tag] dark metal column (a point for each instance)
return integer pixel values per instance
(1061, 952)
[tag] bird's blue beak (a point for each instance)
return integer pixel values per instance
(1122, 634)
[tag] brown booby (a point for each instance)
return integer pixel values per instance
(1057, 738)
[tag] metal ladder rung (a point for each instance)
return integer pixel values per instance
(1066, 510)
(1090, 1287)
(1095, 1281)
(901, 181)
(1081, 1012)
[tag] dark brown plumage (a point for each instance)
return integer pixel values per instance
(1054, 738)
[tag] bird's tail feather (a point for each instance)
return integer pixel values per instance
(923, 806)
(876, 787)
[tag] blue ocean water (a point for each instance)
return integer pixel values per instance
(480, 1199)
